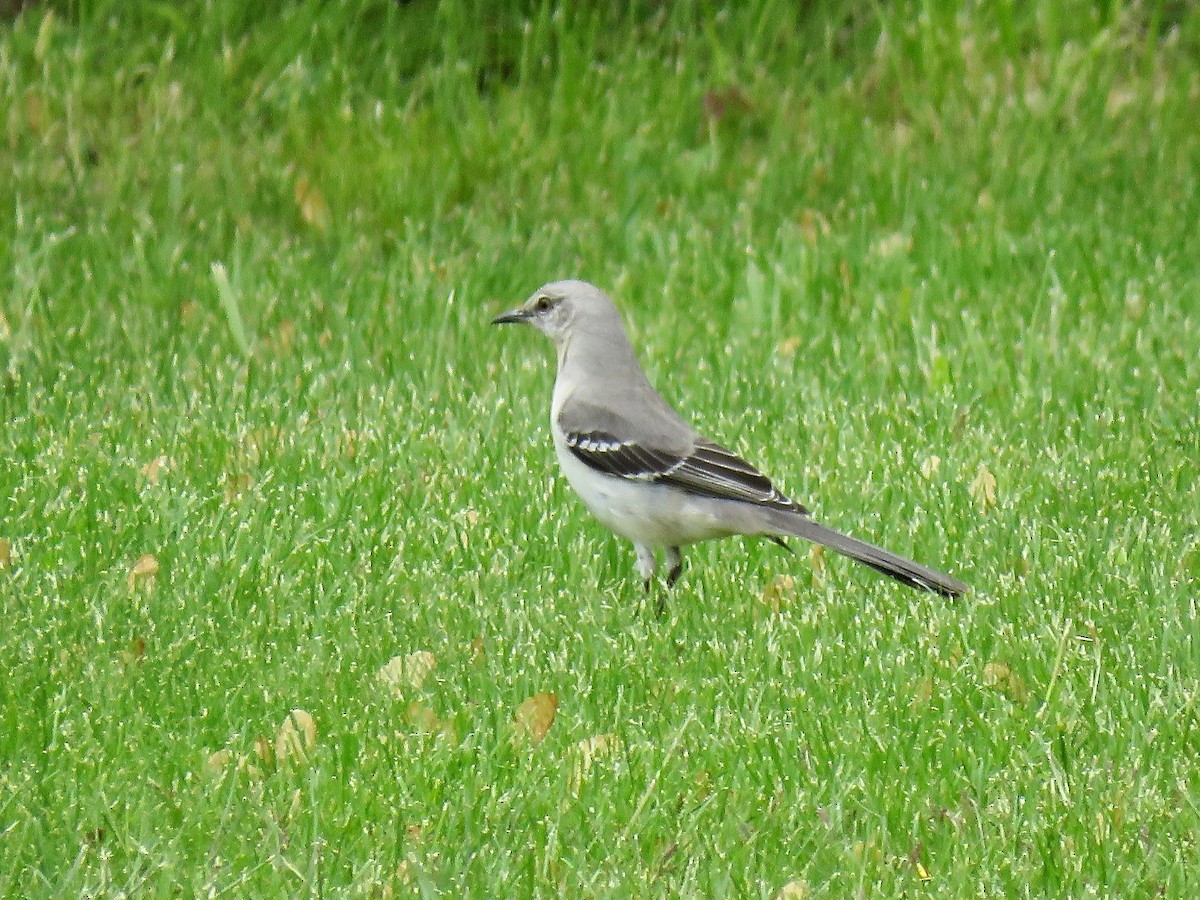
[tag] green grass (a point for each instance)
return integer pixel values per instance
(266, 246)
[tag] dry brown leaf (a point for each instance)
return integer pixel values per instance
(587, 751)
(816, 557)
(5, 553)
(422, 717)
(999, 676)
(391, 674)
(426, 721)
(143, 571)
(296, 739)
(263, 750)
(417, 666)
(995, 674)
(535, 716)
(235, 486)
(922, 693)
(313, 208)
(218, 762)
(132, 654)
(245, 764)
(409, 670)
(788, 346)
(780, 588)
(153, 470)
(794, 890)
(983, 488)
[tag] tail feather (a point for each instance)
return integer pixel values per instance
(903, 570)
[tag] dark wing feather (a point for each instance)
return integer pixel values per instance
(709, 470)
(626, 459)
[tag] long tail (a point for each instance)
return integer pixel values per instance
(903, 570)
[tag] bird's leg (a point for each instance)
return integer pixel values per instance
(646, 564)
(673, 560)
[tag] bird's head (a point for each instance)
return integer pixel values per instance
(561, 308)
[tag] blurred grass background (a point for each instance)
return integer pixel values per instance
(899, 254)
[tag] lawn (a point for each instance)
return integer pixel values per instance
(937, 271)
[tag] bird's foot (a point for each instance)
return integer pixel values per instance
(673, 575)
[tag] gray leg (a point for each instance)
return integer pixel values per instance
(673, 560)
(646, 564)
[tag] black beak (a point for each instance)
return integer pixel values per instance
(511, 317)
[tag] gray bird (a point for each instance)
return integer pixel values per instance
(643, 471)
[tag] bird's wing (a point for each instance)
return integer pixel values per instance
(703, 468)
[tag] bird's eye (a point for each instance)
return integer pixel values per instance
(541, 304)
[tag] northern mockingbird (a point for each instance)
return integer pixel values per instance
(643, 471)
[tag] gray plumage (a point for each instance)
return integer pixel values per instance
(646, 473)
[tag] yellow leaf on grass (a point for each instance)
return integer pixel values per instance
(930, 466)
(296, 739)
(408, 670)
(313, 208)
(535, 716)
(143, 571)
(983, 488)
(777, 591)
(153, 470)
(5, 553)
